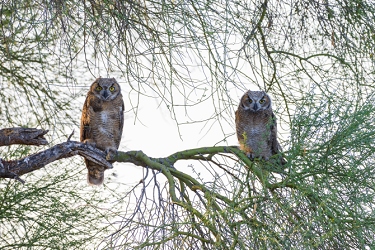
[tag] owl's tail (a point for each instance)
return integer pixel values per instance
(95, 175)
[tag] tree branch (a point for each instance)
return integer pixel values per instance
(14, 169)
(25, 136)
(31, 136)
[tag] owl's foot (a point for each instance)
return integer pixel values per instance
(250, 155)
(90, 142)
(110, 153)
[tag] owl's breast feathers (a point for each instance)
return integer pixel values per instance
(254, 132)
(254, 122)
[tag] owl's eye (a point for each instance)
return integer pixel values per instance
(250, 101)
(98, 88)
(262, 101)
(112, 88)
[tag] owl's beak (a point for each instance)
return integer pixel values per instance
(105, 94)
(255, 107)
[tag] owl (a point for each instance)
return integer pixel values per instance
(256, 126)
(102, 123)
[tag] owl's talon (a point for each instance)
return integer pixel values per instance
(110, 154)
(109, 157)
(90, 142)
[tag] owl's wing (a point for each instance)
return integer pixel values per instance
(85, 132)
(239, 128)
(121, 122)
(275, 146)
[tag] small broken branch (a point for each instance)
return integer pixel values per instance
(25, 136)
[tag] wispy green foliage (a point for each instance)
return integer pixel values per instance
(52, 210)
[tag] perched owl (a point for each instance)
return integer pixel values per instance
(256, 126)
(102, 122)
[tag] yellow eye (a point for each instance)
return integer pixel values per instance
(262, 101)
(98, 88)
(250, 101)
(112, 88)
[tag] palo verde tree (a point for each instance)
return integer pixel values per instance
(192, 60)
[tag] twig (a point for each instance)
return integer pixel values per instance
(70, 136)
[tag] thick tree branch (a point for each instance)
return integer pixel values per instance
(15, 168)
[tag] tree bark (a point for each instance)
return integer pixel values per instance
(24, 136)
(31, 136)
